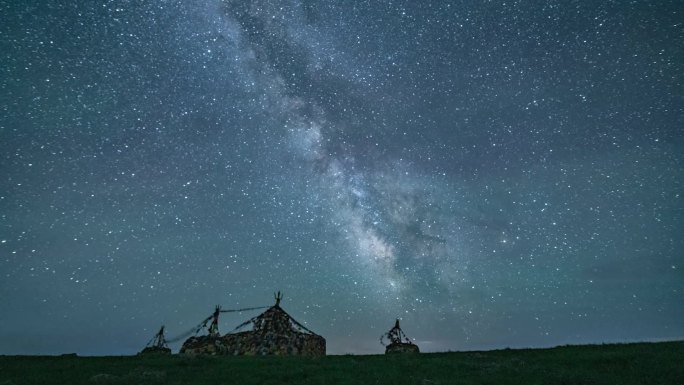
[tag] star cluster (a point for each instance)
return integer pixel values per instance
(495, 174)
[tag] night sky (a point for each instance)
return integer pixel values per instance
(496, 174)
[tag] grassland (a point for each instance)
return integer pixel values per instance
(642, 363)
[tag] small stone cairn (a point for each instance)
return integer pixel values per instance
(398, 342)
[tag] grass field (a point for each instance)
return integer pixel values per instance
(641, 363)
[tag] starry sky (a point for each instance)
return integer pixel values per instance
(494, 173)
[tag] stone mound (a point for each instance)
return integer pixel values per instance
(274, 333)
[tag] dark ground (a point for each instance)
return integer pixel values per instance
(639, 363)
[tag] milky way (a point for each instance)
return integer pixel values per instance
(494, 174)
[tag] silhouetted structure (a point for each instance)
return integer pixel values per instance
(398, 342)
(274, 332)
(157, 344)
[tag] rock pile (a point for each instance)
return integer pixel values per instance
(401, 348)
(157, 344)
(155, 350)
(250, 343)
(399, 343)
(274, 333)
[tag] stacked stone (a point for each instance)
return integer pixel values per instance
(201, 345)
(399, 343)
(273, 334)
(155, 350)
(157, 344)
(401, 347)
